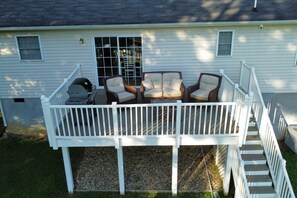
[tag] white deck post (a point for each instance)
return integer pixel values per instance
(68, 169)
(121, 168)
(227, 176)
(48, 122)
(174, 169)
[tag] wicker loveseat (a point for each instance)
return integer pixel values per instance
(162, 85)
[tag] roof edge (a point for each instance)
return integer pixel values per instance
(141, 26)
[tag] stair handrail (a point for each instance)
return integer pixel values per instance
(275, 161)
(242, 188)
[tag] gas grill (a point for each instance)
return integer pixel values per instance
(81, 92)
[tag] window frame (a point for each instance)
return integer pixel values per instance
(232, 43)
(19, 52)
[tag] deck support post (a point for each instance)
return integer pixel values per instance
(68, 169)
(174, 169)
(121, 168)
(227, 174)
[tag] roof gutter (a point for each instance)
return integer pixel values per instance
(142, 26)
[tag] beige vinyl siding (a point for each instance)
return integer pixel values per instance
(270, 50)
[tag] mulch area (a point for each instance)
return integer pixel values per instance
(147, 169)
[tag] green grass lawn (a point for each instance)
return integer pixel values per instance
(30, 168)
(291, 159)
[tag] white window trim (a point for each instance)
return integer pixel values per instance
(18, 48)
(232, 43)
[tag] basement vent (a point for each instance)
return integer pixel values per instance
(19, 99)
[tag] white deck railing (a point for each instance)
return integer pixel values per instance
(178, 119)
(274, 157)
(279, 122)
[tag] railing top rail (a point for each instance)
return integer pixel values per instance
(258, 89)
(64, 83)
(246, 65)
(147, 105)
(56, 91)
(227, 78)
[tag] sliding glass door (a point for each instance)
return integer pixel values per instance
(119, 56)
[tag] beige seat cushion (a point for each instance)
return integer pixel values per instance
(171, 93)
(208, 82)
(200, 94)
(153, 93)
(125, 96)
(167, 79)
(156, 78)
(115, 85)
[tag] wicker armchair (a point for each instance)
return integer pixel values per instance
(117, 91)
(206, 89)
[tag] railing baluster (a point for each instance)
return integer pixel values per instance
(210, 119)
(108, 121)
(67, 121)
(103, 119)
(184, 120)
(221, 119)
(146, 118)
(141, 113)
(88, 121)
(93, 120)
(83, 120)
(62, 122)
(195, 117)
(167, 125)
(72, 122)
(98, 121)
(57, 123)
(126, 121)
(215, 121)
(200, 116)
(77, 121)
(205, 120)
(162, 127)
(231, 119)
(189, 122)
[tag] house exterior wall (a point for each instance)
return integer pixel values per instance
(271, 50)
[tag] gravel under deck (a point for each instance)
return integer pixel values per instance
(147, 169)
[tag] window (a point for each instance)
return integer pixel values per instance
(29, 48)
(225, 40)
(119, 56)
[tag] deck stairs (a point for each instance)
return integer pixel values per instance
(255, 164)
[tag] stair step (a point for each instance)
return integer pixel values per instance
(259, 180)
(262, 191)
(259, 169)
(253, 159)
(252, 139)
(252, 149)
(252, 130)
